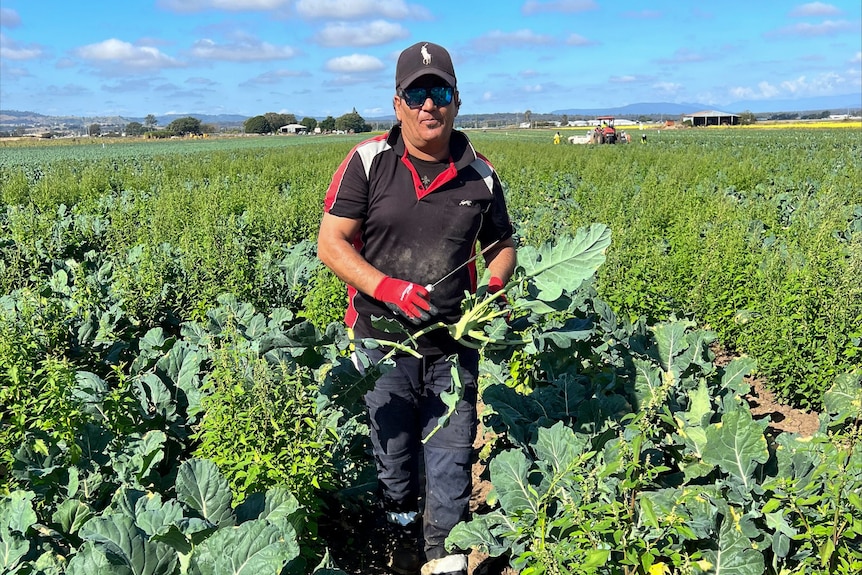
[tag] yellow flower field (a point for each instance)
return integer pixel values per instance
(855, 123)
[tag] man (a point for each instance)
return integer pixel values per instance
(403, 210)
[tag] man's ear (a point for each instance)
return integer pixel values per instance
(395, 107)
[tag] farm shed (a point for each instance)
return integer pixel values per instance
(711, 118)
(293, 129)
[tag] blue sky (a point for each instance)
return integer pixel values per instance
(327, 57)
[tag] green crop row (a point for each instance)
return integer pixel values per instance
(755, 234)
(176, 397)
(231, 443)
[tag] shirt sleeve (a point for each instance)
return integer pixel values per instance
(497, 225)
(347, 195)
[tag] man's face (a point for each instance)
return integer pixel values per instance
(427, 126)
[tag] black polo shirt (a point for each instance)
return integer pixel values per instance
(418, 233)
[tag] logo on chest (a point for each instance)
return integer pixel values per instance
(467, 203)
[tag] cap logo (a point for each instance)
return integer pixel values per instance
(426, 55)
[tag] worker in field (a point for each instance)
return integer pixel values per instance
(402, 218)
(557, 138)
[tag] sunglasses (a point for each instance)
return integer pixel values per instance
(415, 97)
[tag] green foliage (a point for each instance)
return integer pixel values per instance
(656, 466)
(144, 533)
(267, 413)
(183, 126)
(327, 124)
(276, 120)
(631, 452)
(620, 447)
(351, 122)
(135, 129)
(326, 299)
(77, 438)
(36, 396)
(747, 118)
(100, 461)
(751, 232)
(257, 125)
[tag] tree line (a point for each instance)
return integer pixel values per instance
(180, 127)
(268, 123)
(272, 122)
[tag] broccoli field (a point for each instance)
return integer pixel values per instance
(177, 394)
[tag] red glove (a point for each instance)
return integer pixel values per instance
(405, 298)
(495, 284)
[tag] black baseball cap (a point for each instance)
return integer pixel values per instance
(424, 58)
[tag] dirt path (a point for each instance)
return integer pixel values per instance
(782, 417)
(763, 404)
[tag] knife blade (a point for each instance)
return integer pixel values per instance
(430, 287)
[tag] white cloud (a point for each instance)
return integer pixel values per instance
(826, 84)
(242, 51)
(566, 6)
(358, 9)
(814, 9)
(683, 56)
(578, 40)
(9, 18)
(825, 28)
(763, 91)
(126, 56)
(355, 64)
(368, 34)
(129, 85)
(201, 81)
(65, 91)
(496, 40)
(642, 14)
(228, 5)
(667, 87)
(857, 58)
(623, 79)
(12, 50)
(10, 73)
(273, 77)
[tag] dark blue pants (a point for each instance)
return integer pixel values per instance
(403, 408)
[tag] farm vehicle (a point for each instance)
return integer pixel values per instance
(603, 133)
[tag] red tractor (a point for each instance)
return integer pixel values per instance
(605, 133)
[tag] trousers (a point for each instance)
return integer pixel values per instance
(404, 406)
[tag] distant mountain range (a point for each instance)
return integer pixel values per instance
(834, 104)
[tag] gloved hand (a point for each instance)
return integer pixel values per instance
(404, 298)
(495, 284)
